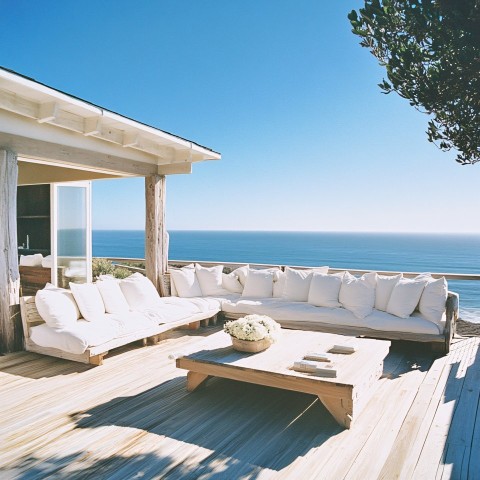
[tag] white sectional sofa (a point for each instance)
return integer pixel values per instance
(381, 306)
(85, 323)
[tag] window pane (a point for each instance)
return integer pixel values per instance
(72, 234)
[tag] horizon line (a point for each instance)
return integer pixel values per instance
(292, 231)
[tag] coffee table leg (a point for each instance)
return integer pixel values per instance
(340, 408)
(194, 380)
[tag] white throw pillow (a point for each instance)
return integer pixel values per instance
(241, 273)
(259, 284)
(210, 280)
(279, 284)
(433, 299)
(113, 297)
(56, 309)
(67, 293)
(358, 294)
(173, 289)
(231, 283)
(385, 284)
(324, 289)
(186, 282)
(89, 300)
(405, 296)
(297, 283)
(139, 292)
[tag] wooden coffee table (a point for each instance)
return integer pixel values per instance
(343, 396)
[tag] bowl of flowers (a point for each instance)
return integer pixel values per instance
(252, 333)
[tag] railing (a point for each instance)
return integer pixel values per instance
(123, 262)
(469, 308)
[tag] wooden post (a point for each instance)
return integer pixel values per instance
(156, 248)
(9, 275)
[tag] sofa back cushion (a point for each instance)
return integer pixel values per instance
(231, 283)
(241, 273)
(433, 300)
(358, 294)
(89, 300)
(258, 284)
(173, 289)
(139, 292)
(210, 280)
(297, 283)
(186, 282)
(112, 296)
(324, 289)
(279, 284)
(405, 296)
(57, 308)
(385, 284)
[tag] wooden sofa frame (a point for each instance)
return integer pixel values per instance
(94, 355)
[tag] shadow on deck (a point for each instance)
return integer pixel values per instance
(423, 421)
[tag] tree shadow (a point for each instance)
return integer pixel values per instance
(245, 425)
(77, 466)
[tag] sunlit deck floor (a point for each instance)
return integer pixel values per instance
(132, 418)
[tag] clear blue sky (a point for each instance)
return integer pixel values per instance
(280, 87)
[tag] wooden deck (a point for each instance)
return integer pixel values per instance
(133, 418)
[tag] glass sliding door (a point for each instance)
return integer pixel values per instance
(71, 233)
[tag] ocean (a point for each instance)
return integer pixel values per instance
(440, 253)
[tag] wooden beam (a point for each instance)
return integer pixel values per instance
(37, 173)
(175, 168)
(47, 112)
(92, 126)
(156, 241)
(21, 106)
(130, 139)
(61, 153)
(9, 274)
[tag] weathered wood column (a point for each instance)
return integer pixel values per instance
(156, 248)
(9, 275)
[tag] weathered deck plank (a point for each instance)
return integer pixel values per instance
(133, 417)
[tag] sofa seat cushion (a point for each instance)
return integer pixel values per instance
(204, 304)
(175, 309)
(386, 322)
(78, 338)
(285, 311)
(130, 323)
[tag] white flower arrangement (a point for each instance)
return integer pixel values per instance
(253, 328)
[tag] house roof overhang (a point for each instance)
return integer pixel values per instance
(45, 126)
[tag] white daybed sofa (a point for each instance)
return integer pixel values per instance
(85, 323)
(380, 306)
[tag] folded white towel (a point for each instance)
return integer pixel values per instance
(47, 262)
(31, 260)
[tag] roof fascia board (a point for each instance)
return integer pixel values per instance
(92, 112)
